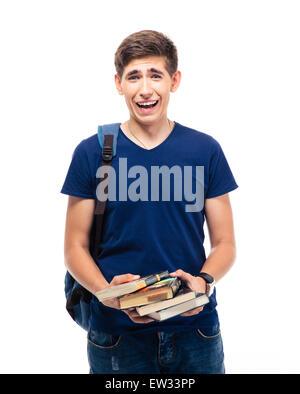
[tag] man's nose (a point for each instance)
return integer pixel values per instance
(146, 88)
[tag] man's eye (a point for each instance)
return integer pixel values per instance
(133, 77)
(156, 75)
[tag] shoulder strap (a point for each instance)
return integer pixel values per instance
(107, 136)
(109, 129)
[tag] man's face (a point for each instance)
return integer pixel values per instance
(146, 85)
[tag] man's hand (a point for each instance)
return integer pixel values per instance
(195, 283)
(115, 303)
(135, 317)
(118, 280)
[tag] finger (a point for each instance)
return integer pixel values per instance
(176, 273)
(192, 312)
(142, 320)
(133, 314)
(181, 274)
(185, 276)
(136, 318)
(112, 303)
(129, 312)
(119, 279)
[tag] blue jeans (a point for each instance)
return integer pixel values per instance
(197, 351)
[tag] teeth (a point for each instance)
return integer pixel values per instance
(147, 104)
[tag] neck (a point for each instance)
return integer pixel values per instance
(151, 131)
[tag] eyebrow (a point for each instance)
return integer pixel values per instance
(152, 69)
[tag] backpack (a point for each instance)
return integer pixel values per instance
(78, 298)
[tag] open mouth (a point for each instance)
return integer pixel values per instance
(147, 106)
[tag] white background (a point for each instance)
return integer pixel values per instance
(240, 65)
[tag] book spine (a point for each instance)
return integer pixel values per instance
(175, 286)
(153, 279)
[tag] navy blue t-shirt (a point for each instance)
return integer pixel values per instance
(152, 225)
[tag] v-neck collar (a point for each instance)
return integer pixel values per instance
(155, 147)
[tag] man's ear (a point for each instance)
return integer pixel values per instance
(118, 84)
(176, 78)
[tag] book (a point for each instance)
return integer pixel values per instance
(130, 287)
(184, 294)
(175, 310)
(162, 290)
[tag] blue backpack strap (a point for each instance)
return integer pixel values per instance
(107, 136)
(109, 129)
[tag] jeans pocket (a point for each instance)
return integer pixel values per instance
(209, 333)
(102, 340)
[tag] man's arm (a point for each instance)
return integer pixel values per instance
(219, 219)
(78, 260)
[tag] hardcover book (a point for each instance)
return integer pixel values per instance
(130, 287)
(175, 310)
(184, 294)
(162, 290)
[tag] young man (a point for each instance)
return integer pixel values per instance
(160, 230)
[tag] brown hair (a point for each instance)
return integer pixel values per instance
(146, 43)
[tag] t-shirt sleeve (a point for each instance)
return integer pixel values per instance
(221, 179)
(78, 181)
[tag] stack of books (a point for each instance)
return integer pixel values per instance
(158, 296)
